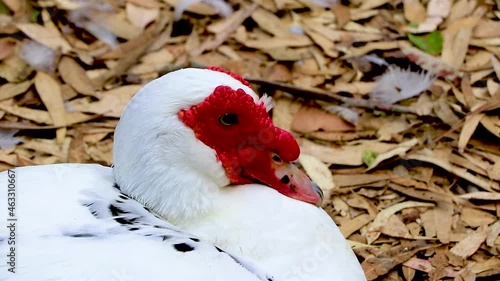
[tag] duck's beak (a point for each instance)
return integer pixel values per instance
(287, 179)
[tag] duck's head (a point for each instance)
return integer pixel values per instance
(191, 133)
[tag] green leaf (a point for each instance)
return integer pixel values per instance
(368, 157)
(4, 10)
(431, 43)
(34, 16)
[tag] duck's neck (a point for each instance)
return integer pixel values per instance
(177, 183)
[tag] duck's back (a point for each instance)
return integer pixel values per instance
(69, 222)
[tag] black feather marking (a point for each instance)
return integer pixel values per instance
(194, 239)
(115, 211)
(147, 209)
(166, 237)
(133, 228)
(123, 196)
(88, 204)
(115, 185)
(183, 247)
(219, 249)
(81, 235)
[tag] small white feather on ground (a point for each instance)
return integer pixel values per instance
(346, 113)
(38, 56)
(87, 19)
(397, 84)
(223, 8)
(7, 139)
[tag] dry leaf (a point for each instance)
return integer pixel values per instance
(141, 16)
(414, 11)
(319, 173)
(47, 37)
(350, 154)
(7, 47)
(111, 103)
(475, 218)
(309, 119)
(468, 246)
(468, 129)
(427, 155)
(375, 229)
(11, 90)
(399, 150)
(49, 91)
(74, 75)
(355, 224)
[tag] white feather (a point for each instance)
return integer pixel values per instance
(346, 113)
(375, 59)
(325, 3)
(86, 18)
(7, 139)
(397, 84)
(267, 101)
(39, 56)
(296, 29)
(221, 6)
(61, 240)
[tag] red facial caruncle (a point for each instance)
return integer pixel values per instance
(249, 146)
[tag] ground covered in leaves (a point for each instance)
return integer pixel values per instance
(394, 103)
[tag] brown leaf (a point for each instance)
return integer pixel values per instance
(74, 75)
(7, 47)
(270, 22)
(111, 103)
(309, 119)
(349, 154)
(11, 90)
(395, 227)
(342, 14)
(414, 11)
(431, 157)
(379, 265)
(440, 263)
(468, 129)
(319, 173)
(49, 91)
(355, 224)
(374, 230)
(141, 16)
(45, 36)
(474, 218)
(468, 246)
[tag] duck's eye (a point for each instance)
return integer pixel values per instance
(277, 159)
(228, 119)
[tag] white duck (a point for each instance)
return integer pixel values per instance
(188, 151)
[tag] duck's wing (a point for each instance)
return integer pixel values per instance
(70, 223)
(294, 240)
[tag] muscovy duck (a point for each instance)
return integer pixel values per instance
(202, 188)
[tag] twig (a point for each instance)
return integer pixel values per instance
(330, 97)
